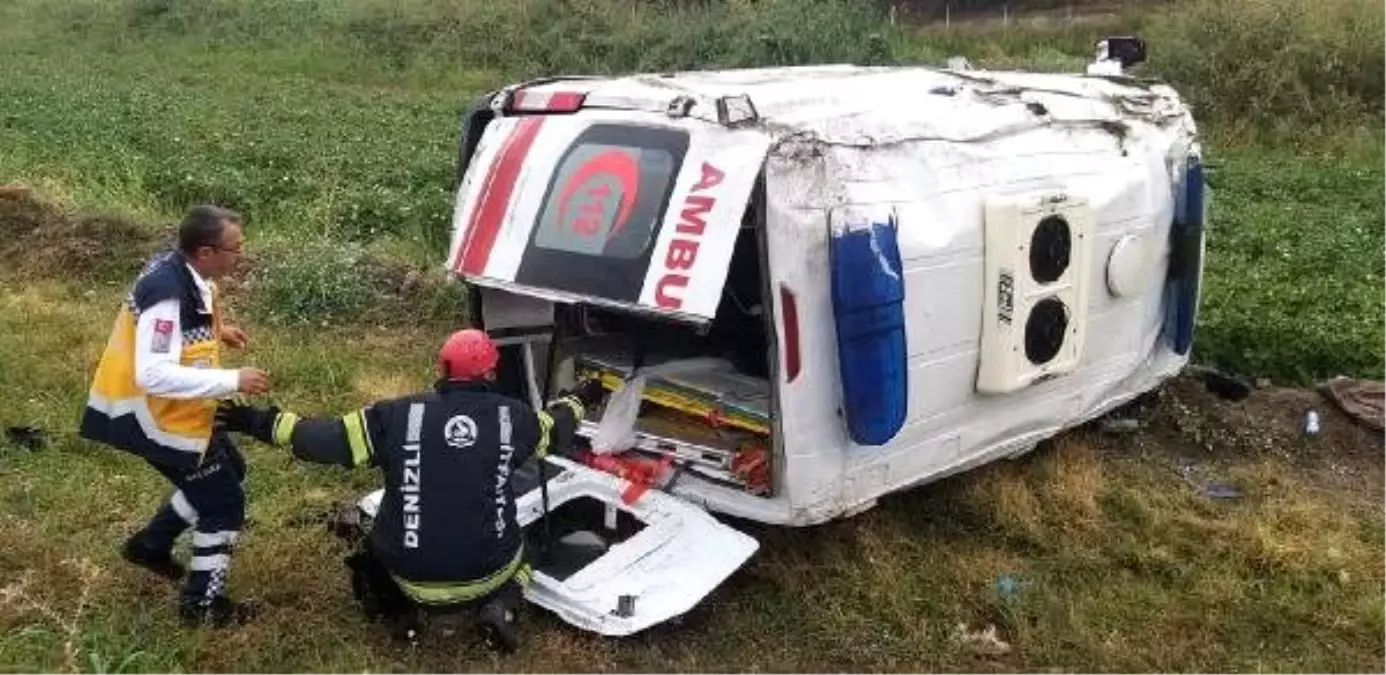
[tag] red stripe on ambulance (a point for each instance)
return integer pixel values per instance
(500, 179)
(683, 248)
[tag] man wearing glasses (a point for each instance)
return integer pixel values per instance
(155, 394)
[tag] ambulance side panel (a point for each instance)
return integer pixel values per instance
(938, 195)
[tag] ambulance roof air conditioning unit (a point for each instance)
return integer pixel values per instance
(1035, 309)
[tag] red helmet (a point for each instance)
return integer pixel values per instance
(467, 355)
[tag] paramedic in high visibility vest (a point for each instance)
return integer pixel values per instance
(445, 537)
(155, 394)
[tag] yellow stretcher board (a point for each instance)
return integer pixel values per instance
(661, 394)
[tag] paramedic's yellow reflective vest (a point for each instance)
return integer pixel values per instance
(170, 432)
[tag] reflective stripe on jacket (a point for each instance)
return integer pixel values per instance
(171, 432)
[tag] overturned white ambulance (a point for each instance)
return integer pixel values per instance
(836, 282)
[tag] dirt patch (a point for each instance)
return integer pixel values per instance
(41, 239)
(1272, 420)
(312, 284)
(1196, 429)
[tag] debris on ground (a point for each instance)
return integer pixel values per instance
(1010, 587)
(1222, 491)
(986, 641)
(1130, 417)
(1120, 425)
(1223, 385)
(1211, 489)
(1311, 423)
(28, 437)
(1362, 400)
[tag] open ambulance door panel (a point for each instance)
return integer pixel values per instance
(628, 210)
(615, 568)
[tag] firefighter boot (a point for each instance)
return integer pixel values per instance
(408, 626)
(496, 622)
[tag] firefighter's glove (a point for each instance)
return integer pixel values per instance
(589, 392)
(257, 423)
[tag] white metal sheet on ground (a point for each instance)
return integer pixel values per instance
(680, 556)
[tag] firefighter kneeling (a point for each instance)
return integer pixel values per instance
(445, 537)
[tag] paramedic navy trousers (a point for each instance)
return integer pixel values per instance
(211, 500)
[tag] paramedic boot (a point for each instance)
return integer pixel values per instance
(203, 601)
(496, 622)
(158, 561)
(219, 612)
(152, 547)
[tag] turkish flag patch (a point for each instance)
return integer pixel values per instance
(163, 336)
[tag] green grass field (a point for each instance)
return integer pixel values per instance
(332, 125)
